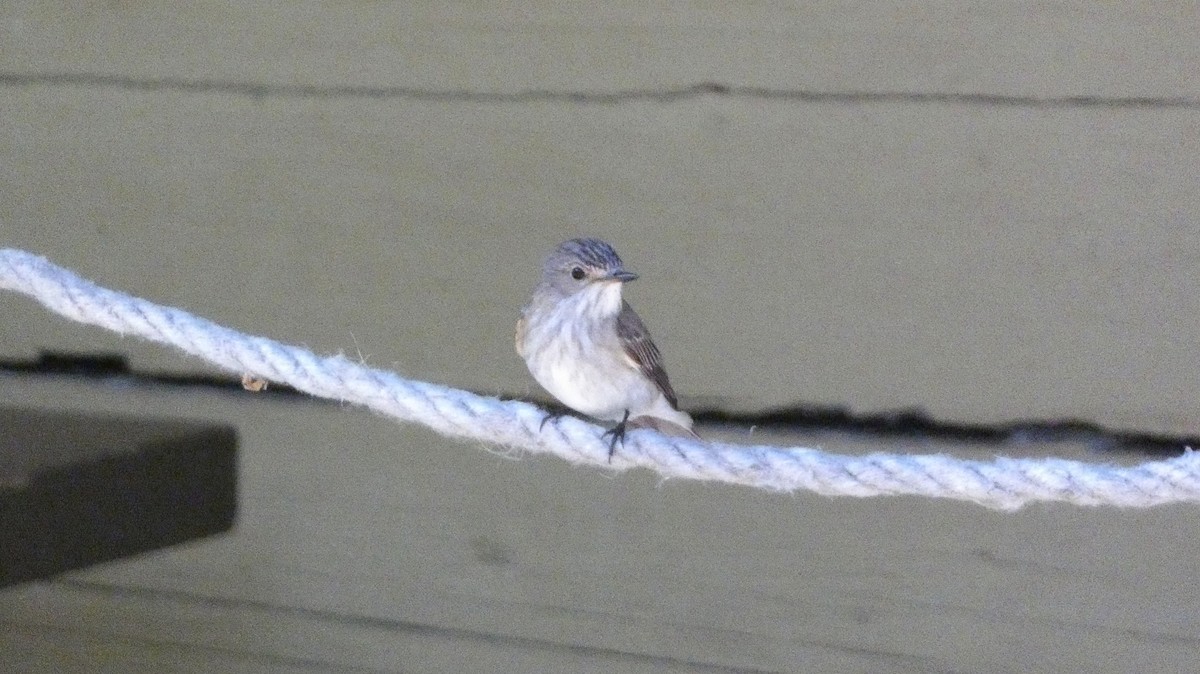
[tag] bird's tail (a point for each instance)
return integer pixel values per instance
(664, 426)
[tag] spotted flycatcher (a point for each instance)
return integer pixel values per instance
(587, 347)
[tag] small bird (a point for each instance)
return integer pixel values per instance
(585, 345)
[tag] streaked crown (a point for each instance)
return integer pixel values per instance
(592, 253)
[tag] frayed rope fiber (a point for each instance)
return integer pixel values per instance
(1003, 483)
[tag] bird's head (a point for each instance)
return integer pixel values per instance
(588, 269)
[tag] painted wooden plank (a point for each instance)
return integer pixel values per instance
(1017, 48)
(351, 519)
(983, 263)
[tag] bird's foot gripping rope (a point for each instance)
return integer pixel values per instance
(616, 434)
(1003, 483)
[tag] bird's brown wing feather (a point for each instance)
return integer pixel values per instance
(635, 339)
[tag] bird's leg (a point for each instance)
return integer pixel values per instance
(551, 416)
(618, 434)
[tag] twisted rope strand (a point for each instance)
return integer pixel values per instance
(1004, 483)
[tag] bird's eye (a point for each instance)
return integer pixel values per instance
(577, 273)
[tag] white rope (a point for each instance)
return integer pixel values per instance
(1003, 483)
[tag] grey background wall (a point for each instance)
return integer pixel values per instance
(985, 209)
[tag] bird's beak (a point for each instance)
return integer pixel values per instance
(622, 276)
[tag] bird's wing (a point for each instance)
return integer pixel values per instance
(520, 339)
(640, 349)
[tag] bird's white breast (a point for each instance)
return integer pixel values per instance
(572, 350)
